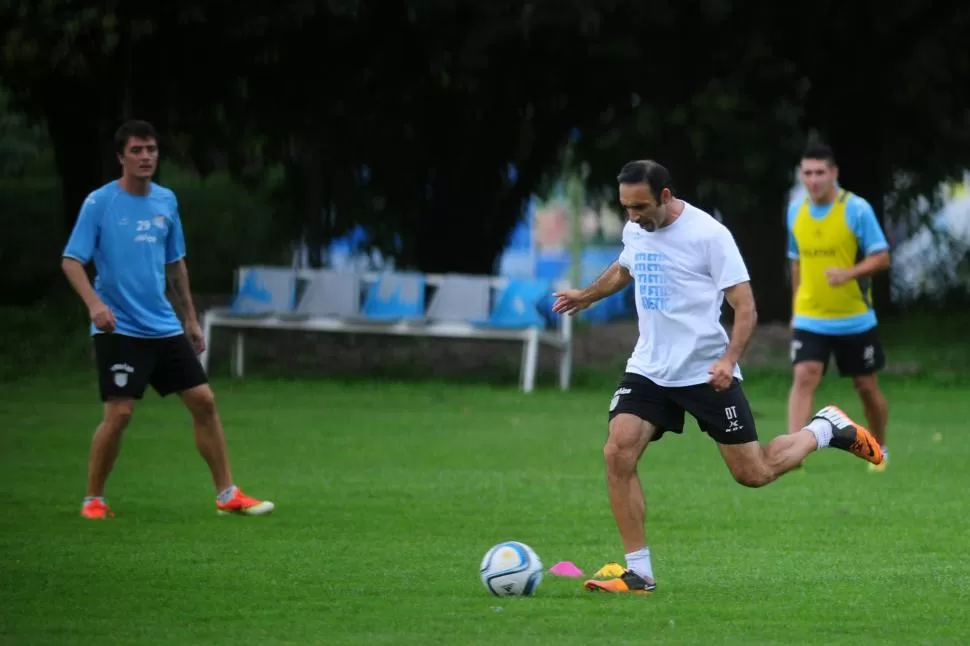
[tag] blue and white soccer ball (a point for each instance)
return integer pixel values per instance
(511, 569)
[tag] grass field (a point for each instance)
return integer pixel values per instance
(389, 494)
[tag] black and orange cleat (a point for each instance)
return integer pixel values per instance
(629, 581)
(850, 436)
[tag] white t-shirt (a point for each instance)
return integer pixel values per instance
(681, 271)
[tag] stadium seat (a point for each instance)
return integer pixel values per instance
(264, 291)
(394, 297)
(517, 306)
(329, 293)
(460, 298)
(394, 304)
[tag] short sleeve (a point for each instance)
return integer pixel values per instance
(175, 244)
(727, 265)
(866, 227)
(790, 224)
(84, 236)
(626, 258)
(627, 255)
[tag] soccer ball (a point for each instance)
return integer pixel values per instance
(511, 569)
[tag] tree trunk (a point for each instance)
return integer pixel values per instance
(304, 175)
(462, 235)
(311, 185)
(763, 249)
(75, 132)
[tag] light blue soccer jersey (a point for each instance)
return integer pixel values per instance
(131, 239)
(862, 221)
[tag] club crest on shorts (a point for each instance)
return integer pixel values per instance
(121, 372)
(616, 396)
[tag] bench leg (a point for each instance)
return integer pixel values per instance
(566, 353)
(565, 365)
(530, 357)
(239, 355)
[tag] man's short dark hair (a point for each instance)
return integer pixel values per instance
(133, 128)
(646, 171)
(820, 152)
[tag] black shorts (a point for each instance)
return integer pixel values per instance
(128, 365)
(724, 415)
(855, 354)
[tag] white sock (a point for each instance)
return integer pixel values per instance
(227, 495)
(88, 499)
(639, 562)
(822, 430)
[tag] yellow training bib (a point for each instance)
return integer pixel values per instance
(824, 243)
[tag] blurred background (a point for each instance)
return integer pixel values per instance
(449, 136)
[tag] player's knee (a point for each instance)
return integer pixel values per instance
(752, 475)
(613, 454)
(865, 386)
(807, 376)
(202, 402)
(117, 414)
(752, 479)
(619, 452)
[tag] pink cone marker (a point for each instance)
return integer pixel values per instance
(565, 568)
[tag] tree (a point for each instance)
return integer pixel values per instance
(442, 100)
(890, 95)
(404, 117)
(85, 67)
(57, 59)
(21, 141)
(723, 116)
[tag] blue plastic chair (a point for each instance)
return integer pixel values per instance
(264, 291)
(518, 305)
(395, 297)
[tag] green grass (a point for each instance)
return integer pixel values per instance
(389, 494)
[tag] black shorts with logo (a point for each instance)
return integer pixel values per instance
(855, 354)
(128, 365)
(724, 415)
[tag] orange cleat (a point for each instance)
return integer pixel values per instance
(629, 581)
(244, 505)
(850, 436)
(96, 509)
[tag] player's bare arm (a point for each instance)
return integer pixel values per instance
(741, 299)
(745, 318)
(177, 274)
(178, 277)
(796, 280)
(101, 316)
(571, 301)
(868, 266)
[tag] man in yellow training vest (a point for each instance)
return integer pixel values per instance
(835, 245)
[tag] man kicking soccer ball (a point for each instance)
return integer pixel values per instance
(131, 229)
(684, 264)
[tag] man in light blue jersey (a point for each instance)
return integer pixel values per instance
(835, 245)
(130, 228)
